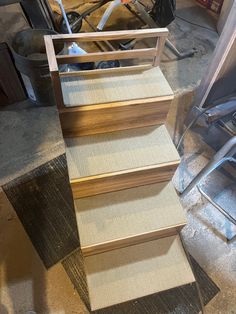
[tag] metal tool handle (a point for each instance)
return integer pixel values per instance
(74, 48)
(107, 13)
(64, 16)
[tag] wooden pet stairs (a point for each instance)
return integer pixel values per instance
(127, 210)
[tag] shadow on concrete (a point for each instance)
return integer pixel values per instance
(22, 275)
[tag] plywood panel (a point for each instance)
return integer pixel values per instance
(128, 217)
(102, 89)
(224, 14)
(129, 273)
(220, 74)
(224, 84)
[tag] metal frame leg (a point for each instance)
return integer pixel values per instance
(219, 208)
(229, 149)
(224, 154)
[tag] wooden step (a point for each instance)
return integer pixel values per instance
(119, 160)
(123, 218)
(105, 103)
(133, 272)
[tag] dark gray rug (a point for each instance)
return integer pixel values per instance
(43, 202)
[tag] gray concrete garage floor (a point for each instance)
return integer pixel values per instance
(30, 136)
(206, 231)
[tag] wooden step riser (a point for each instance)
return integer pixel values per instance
(122, 243)
(95, 185)
(88, 120)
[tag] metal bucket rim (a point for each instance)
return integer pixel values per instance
(27, 59)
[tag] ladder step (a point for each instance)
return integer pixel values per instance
(106, 103)
(119, 160)
(133, 272)
(101, 89)
(123, 218)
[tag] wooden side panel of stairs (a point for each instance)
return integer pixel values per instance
(127, 210)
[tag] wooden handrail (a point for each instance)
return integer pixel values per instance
(134, 68)
(111, 35)
(109, 55)
(54, 60)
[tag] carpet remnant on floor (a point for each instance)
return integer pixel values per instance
(43, 202)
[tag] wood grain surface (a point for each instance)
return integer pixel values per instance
(95, 72)
(219, 79)
(111, 35)
(121, 180)
(52, 62)
(105, 56)
(103, 118)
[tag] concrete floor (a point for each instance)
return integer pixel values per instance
(31, 136)
(25, 285)
(206, 231)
